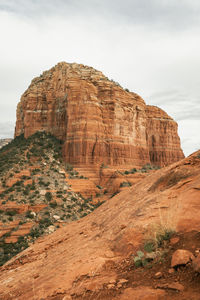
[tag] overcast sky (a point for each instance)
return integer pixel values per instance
(151, 47)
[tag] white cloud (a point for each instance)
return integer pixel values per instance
(188, 131)
(144, 45)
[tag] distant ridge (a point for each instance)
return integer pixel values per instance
(4, 142)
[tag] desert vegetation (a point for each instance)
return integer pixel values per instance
(34, 190)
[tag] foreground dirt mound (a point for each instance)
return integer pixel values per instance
(96, 257)
(98, 120)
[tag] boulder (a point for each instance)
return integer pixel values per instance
(56, 217)
(175, 286)
(181, 257)
(196, 264)
(142, 293)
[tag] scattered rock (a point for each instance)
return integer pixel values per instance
(151, 255)
(174, 240)
(171, 271)
(142, 293)
(123, 226)
(196, 264)
(61, 172)
(171, 286)
(67, 297)
(33, 214)
(181, 257)
(56, 217)
(112, 281)
(110, 286)
(43, 192)
(51, 229)
(122, 281)
(158, 275)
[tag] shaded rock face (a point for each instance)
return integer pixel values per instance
(162, 138)
(99, 121)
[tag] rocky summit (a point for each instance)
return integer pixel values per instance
(98, 120)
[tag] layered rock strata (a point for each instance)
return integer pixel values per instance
(162, 138)
(99, 121)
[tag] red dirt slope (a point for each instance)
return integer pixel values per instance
(88, 258)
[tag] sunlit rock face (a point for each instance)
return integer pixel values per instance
(99, 121)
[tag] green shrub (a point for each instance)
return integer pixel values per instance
(125, 184)
(29, 214)
(11, 212)
(48, 196)
(25, 192)
(140, 260)
(114, 194)
(149, 247)
(74, 199)
(59, 196)
(165, 236)
(84, 215)
(134, 170)
(68, 167)
(99, 203)
(46, 222)
(53, 204)
(11, 198)
(99, 187)
(21, 222)
(35, 232)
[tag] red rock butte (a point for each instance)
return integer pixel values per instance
(97, 119)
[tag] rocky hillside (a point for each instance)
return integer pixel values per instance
(144, 243)
(98, 121)
(35, 195)
(40, 193)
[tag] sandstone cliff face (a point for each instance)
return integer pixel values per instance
(162, 137)
(99, 121)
